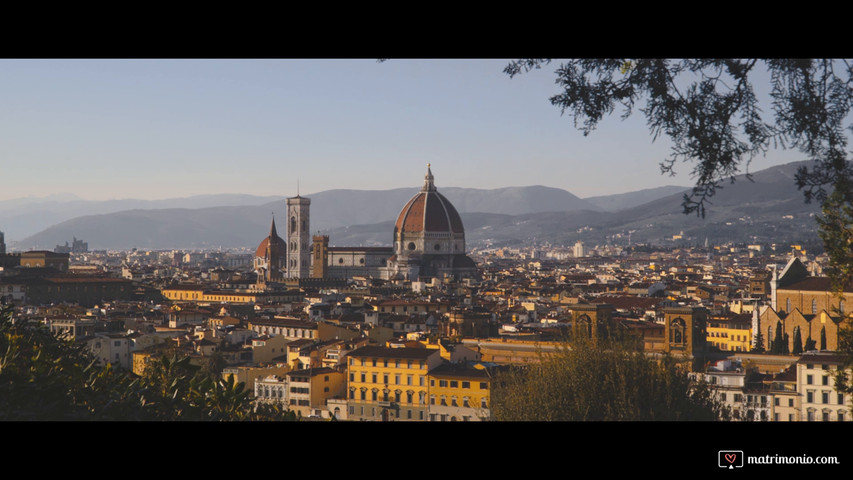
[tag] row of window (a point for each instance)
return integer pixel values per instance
(278, 392)
(393, 413)
(272, 393)
(453, 403)
(405, 308)
(814, 306)
(374, 396)
(825, 416)
(810, 366)
(456, 384)
(398, 380)
(750, 399)
(446, 418)
(725, 346)
(824, 396)
(396, 363)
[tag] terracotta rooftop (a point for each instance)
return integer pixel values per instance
(814, 284)
(385, 352)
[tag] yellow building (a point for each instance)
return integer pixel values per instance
(389, 383)
(310, 389)
(222, 321)
(458, 392)
(201, 294)
(266, 348)
(453, 352)
(44, 258)
(731, 333)
(140, 360)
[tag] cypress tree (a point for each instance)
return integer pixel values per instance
(759, 343)
(798, 342)
(777, 347)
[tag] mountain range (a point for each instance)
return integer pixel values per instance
(766, 208)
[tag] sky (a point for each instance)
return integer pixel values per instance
(161, 128)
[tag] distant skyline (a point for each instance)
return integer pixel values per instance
(154, 129)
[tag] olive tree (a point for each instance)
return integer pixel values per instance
(601, 381)
(708, 108)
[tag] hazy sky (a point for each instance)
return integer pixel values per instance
(152, 129)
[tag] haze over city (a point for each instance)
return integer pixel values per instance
(151, 129)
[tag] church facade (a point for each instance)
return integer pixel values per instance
(805, 307)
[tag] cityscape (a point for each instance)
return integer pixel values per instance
(235, 240)
(417, 330)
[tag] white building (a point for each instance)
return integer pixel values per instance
(820, 401)
(580, 250)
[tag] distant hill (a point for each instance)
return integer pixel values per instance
(235, 226)
(767, 209)
(621, 201)
(335, 208)
(22, 217)
(770, 208)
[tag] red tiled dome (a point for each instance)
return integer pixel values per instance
(262, 248)
(429, 212)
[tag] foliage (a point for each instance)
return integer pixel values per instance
(798, 343)
(709, 110)
(44, 376)
(845, 346)
(780, 346)
(609, 381)
(836, 231)
(759, 343)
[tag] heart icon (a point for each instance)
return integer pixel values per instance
(731, 457)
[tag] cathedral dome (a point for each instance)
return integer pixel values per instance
(429, 224)
(429, 211)
(261, 251)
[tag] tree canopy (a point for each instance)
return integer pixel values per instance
(708, 108)
(606, 381)
(44, 376)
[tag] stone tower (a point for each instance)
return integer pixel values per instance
(298, 239)
(594, 321)
(685, 330)
(321, 255)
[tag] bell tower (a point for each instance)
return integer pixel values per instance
(685, 330)
(321, 256)
(298, 239)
